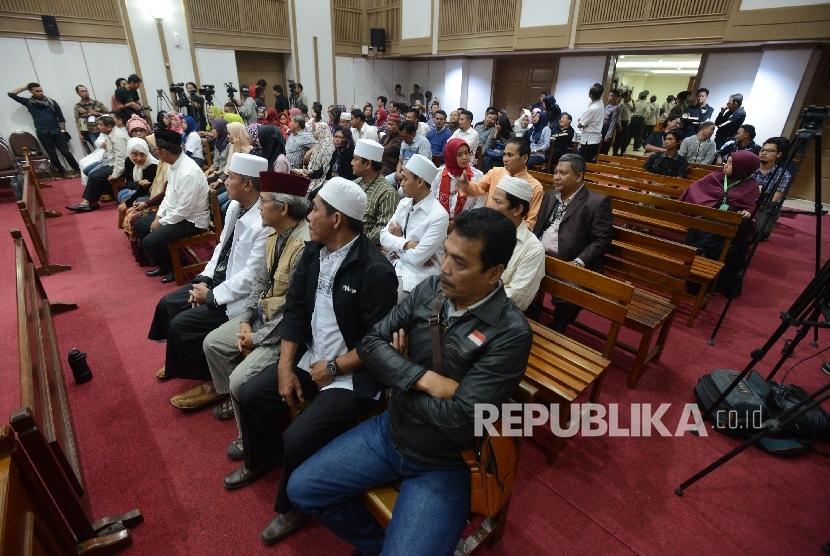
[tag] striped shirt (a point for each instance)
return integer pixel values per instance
(382, 202)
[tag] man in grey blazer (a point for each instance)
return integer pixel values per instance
(574, 224)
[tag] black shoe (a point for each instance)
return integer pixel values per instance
(169, 277)
(241, 477)
(154, 273)
(281, 526)
(82, 208)
(65, 174)
(235, 450)
(826, 368)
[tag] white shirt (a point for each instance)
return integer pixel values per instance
(470, 202)
(186, 197)
(471, 137)
(526, 268)
(423, 129)
(550, 237)
(193, 144)
(247, 255)
(366, 132)
(425, 222)
(326, 339)
(591, 121)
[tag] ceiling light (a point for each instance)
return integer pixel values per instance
(674, 71)
(659, 60)
(687, 64)
(622, 57)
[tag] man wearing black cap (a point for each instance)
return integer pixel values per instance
(248, 107)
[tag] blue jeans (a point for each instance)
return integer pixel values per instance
(124, 194)
(88, 170)
(430, 512)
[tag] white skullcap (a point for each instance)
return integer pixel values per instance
(345, 196)
(516, 187)
(369, 149)
(422, 167)
(345, 116)
(248, 165)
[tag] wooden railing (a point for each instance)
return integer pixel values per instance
(601, 12)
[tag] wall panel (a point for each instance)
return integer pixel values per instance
(98, 20)
(241, 24)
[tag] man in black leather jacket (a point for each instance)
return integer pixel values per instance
(485, 345)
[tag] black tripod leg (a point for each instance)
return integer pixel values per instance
(711, 340)
(789, 347)
(786, 418)
(817, 140)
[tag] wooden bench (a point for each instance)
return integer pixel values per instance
(27, 162)
(695, 171)
(654, 188)
(639, 174)
(34, 215)
(212, 234)
(208, 154)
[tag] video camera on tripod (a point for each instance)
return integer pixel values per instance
(293, 92)
(177, 89)
(208, 91)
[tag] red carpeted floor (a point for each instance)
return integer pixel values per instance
(602, 496)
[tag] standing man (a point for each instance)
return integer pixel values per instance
(298, 98)
(623, 134)
(638, 119)
(415, 95)
(744, 141)
(697, 114)
(247, 109)
(397, 98)
(87, 112)
(651, 119)
(575, 224)
(465, 131)
(194, 105)
(591, 124)
(360, 129)
(439, 136)
(541, 104)
(381, 102)
(280, 102)
(667, 106)
(730, 118)
(700, 148)
(487, 128)
(609, 121)
(110, 168)
(485, 341)
(50, 125)
(127, 96)
(382, 199)
(342, 287)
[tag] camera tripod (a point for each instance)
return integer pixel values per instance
(813, 120)
(161, 96)
(814, 302)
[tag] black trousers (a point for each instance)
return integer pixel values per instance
(488, 163)
(636, 128)
(53, 142)
(604, 146)
(267, 434)
(535, 159)
(155, 243)
(185, 329)
(97, 183)
(622, 139)
(588, 152)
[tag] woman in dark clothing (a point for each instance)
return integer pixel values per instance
(562, 135)
(552, 109)
(341, 159)
(668, 163)
(494, 151)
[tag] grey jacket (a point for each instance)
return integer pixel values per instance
(485, 351)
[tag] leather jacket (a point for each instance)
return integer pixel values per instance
(485, 350)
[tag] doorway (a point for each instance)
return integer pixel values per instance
(253, 66)
(520, 81)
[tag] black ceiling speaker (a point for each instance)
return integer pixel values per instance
(50, 26)
(378, 36)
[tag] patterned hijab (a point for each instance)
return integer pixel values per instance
(321, 157)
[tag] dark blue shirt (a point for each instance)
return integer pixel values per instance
(46, 114)
(438, 139)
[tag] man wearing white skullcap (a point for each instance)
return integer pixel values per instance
(414, 237)
(342, 286)
(381, 198)
(526, 268)
(185, 317)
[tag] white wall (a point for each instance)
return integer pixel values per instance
(576, 75)
(59, 65)
(536, 13)
(416, 15)
(480, 87)
(454, 83)
(314, 20)
(217, 67)
(776, 84)
(764, 4)
(728, 74)
(361, 80)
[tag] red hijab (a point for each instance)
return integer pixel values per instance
(381, 117)
(272, 117)
(451, 167)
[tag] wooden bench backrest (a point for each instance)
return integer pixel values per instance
(31, 210)
(41, 377)
(634, 184)
(639, 174)
(695, 171)
(31, 170)
(208, 153)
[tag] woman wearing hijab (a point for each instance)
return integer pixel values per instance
(261, 114)
(143, 174)
(253, 133)
(162, 121)
(193, 141)
(320, 160)
(552, 109)
(272, 117)
(272, 143)
(219, 131)
(733, 189)
(494, 150)
(141, 208)
(521, 125)
(456, 162)
(240, 142)
(380, 120)
(539, 137)
(175, 122)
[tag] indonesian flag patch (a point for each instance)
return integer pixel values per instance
(477, 337)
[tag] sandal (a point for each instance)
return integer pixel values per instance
(197, 397)
(162, 374)
(224, 411)
(235, 450)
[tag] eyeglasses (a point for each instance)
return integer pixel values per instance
(767, 151)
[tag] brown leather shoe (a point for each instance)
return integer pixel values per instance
(202, 395)
(241, 477)
(282, 526)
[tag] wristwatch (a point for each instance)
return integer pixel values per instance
(332, 369)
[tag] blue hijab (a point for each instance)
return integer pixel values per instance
(535, 132)
(191, 127)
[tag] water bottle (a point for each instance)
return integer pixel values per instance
(78, 364)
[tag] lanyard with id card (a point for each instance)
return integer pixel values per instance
(726, 188)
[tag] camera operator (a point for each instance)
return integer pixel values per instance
(247, 109)
(259, 93)
(281, 102)
(297, 96)
(193, 105)
(128, 96)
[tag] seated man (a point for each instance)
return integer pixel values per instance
(699, 148)
(668, 163)
(768, 175)
(744, 140)
(412, 144)
(516, 153)
(183, 212)
(654, 143)
(185, 317)
(248, 343)
(430, 421)
(342, 287)
(382, 199)
(526, 268)
(110, 168)
(575, 224)
(414, 237)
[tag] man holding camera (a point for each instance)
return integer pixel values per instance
(193, 105)
(297, 96)
(128, 96)
(248, 107)
(50, 125)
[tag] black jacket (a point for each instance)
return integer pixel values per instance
(365, 289)
(728, 123)
(485, 351)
